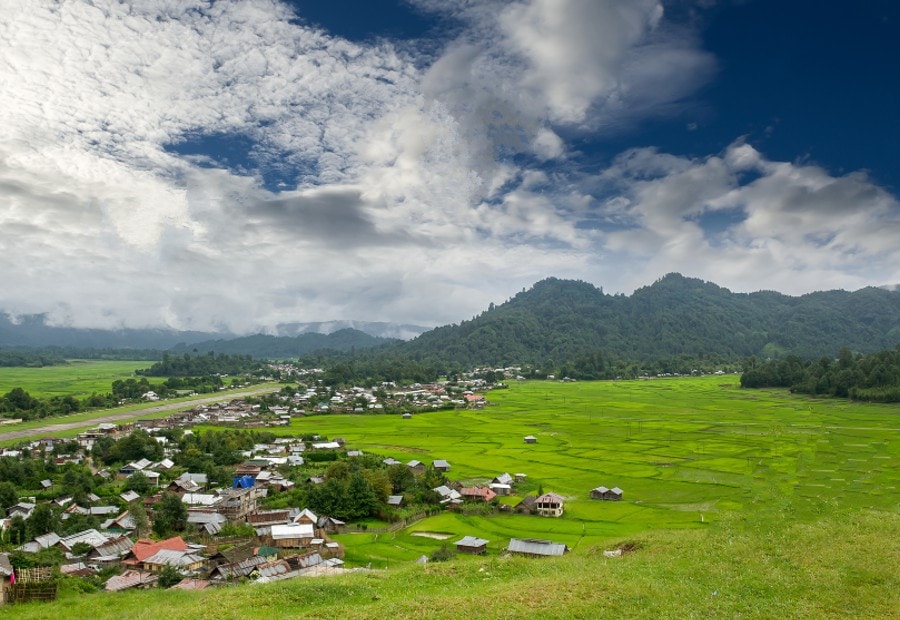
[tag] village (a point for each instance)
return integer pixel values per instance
(155, 521)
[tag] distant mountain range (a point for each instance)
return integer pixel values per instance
(556, 321)
(398, 331)
(32, 331)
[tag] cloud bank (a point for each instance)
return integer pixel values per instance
(372, 181)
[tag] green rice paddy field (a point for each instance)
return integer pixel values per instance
(684, 451)
(77, 378)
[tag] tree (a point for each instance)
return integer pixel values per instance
(19, 399)
(138, 482)
(138, 445)
(401, 478)
(168, 577)
(9, 496)
(139, 517)
(18, 530)
(42, 520)
(361, 497)
(169, 515)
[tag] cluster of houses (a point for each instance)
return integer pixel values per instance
(319, 399)
(288, 543)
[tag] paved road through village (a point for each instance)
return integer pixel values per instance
(49, 429)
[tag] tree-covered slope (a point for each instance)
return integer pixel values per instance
(282, 347)
(560, 320)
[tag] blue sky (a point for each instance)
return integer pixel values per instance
(240, 165)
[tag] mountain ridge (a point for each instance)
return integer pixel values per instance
(559, 320)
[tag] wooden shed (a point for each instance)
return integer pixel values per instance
(472, 545)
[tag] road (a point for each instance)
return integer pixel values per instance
(50, 429)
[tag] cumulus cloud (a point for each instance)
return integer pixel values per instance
(750, 223)
(411, 186)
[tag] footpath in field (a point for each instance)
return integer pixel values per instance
(49, 429)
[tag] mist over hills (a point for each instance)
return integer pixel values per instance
(32, 331)
(555, 321)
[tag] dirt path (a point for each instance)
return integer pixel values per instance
(49, 429)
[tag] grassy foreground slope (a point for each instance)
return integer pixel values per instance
(839, 566)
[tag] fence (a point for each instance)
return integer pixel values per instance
(397, 525)
(33, 584)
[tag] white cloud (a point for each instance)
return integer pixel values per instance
(426, 187)
(795, 227)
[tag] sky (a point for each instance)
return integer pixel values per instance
(236, 165)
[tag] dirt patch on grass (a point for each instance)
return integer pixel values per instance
(435, 535)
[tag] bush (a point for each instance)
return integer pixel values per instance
(446, 552)
(169, 576)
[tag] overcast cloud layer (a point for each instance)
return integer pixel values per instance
(424, 186)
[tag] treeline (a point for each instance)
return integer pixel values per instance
(372, 368)
(28, 359)
(873, 378)
(188, 365)
(47, 356)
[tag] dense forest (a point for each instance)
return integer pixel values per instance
(286, 347)
(874, 377)
(188, 365)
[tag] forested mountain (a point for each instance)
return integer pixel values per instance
(558, 322)
(282, 347)
(561, 320)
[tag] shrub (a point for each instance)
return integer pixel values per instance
(446, 552)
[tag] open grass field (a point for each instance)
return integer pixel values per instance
(78, 378)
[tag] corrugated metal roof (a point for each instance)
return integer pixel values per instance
(531, 546)
(471, 541)
(115, 547)
(170, 557)
(129, 579)
(91, 537)
(296, 530)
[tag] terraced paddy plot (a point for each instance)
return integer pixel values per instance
(683, 450)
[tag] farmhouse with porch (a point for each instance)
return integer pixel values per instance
(549, 505)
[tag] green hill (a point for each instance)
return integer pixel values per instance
(560, 320)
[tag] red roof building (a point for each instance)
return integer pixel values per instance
(483, 494)
(144, 548)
